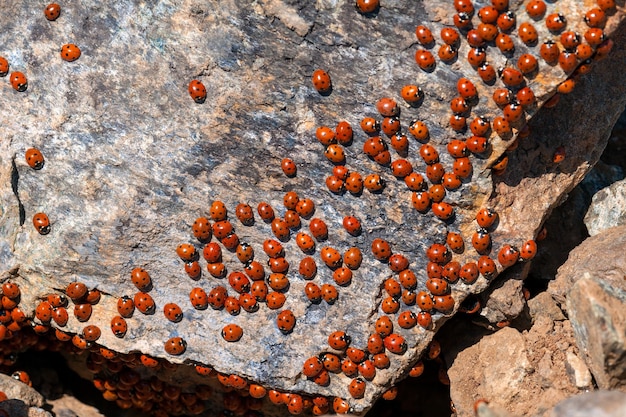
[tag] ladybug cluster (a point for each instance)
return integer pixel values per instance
(258, 277)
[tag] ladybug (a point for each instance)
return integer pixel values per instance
(275, 300)
(357, 388)
(486, 266)
(173, 312)
(425, 60)
(344, 132)
(91, 333)
(353, 258)
(476, 57)
(508, 256)
(52, 11)
(605, 4)
(349, 368)
(511, 77)
(528, 34)
(451, 271)
(392, 287)
(125, 306)
(390, 126)
(408, 279)
(307, 268)
(536, 9)
(417, 369)
(232, 333)
(527, 63)
(486, 217)
(419, 130)
(414, 181)
(506, 21)
(245, 214)
(187, 252)
(479, 126)
(218, 211)
(273, 248)
(334, 184)
(305, 242)
(487, 73)
(556, 22)
(141, 279)
(197, 91)
(390, 305)
(198, 298)
(34, 158)
(375, 344)
(464, 6)
(144, 303)
(451, 181)
(313, 292)
(305, 208)
(443, 303)
(175, 346)
(325, 135)
(329, 293)
(528, 250)
(381, 249)
(11, 290)
(18, 81)
(278, 282)
(513, 112)
(421, 201)
(559, 155)
(341, 172)
(312, 367)
(370, 125)
(278, 265)
(584, 52)
(549, 51)
(567, 61)
(352, 225)
(395, 343)
(374, 146)
(570, 40)
(318, 229)
(447, 53)
(266, 212)
(339, 340)
(390, 394)
(466, 89)
(474, 39)
(70, 52)
(43, 312)
(412, 94)
(290, 200)
(341, 406)
(424, 300)
(82, 312)
(502, 97)
(367, 369)
(455, 242)
(488, 14)
(321, 81)
(335, 153)
(245, 252)
(502, 127)
(443, 210)
(259, 290)
(384, 326)
(374, 183)
(60, 316)
(76, 291)
(4, 66)
(248, 302)
(462, 20)
(429, 154)
(365, 7)
(387, 107)
(256, 391)
(289, 167)
(450, 36)
(407, 320)
(331, 257)
(437, 286)
(462, 167)
(525, 96)
(437, 193)
(41, 223)
(212, 252)
(280, 229)
(487, 31)
(201, 229)
(286, 321)
(458, 123)
(424, 35)
(356, 355)
(398, 262)
(459, 106)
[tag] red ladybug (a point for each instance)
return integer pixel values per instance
(425, 60)
(141, 279)
(486, 266)
(186, 252)
(318, 229)
(232, 333)
(528, 250)
(387, 107)
(245, 214)
(424, 35)
(466, 89)
(125, 306)
(175, 346)
(367, 6)
(486, 217)
(555, 22)
(41, 223)
(321, 81)
(307, 268)
(488, 14)
(414, 181)
(450, 36)
(528, 34)
(447, 53)
(144, 303)
(82, 312)
(384, 326)
(357, 388)
(18, 81)
(52, 11)
(339, 340)
(313, 292)
(173, 312)
(508, 256)
(352, 225)
(329, 293)
(197, 91)
(442, 210)
(487, 73)
(395, 343)
(407, 320)
(198, 298)
(381, 249)
(527, 63)
(344, 132)
(464, 6)
(412, 94)
(536, 9)
(419, 130)
(4, 66)
(70, 52)
(353, 258)
(91, 333)
(119, 326)
(506, 21)
(286, 321)
(331, 257)
(34, 158)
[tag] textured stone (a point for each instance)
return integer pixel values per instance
(132, 161)
(544, 305)
(597, 404)
(578, 371)
(607, 209)
(21, 392)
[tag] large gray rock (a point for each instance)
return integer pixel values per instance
(131, 161)
(607, 208)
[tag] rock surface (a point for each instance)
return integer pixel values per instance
(131, 161)
(607, 208)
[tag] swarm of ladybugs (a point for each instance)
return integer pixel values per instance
(261, 282)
